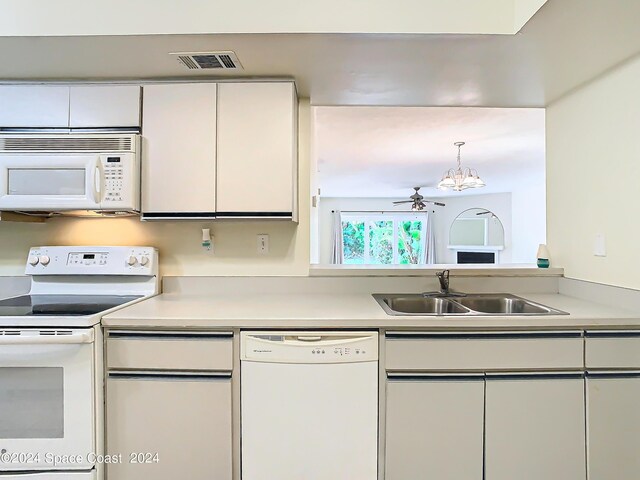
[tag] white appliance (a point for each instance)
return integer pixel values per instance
(51, 376)
(70, 172)
(309, 405)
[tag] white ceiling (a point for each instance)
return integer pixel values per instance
(385, 151)
(566, 43)
(144, 17)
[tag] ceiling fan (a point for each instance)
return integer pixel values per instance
(487, 212)
(418, 202)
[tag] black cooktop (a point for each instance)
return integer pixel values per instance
(60, 305)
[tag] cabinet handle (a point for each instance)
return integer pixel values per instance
(614, 374)
(536, 376)
(612, 334)
(168, 375)
(431, 377)
(171, 335)
(480, 336)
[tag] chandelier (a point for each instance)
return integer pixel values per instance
(460, 179)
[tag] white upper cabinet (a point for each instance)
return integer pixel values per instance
(96, 106)
(257, 150)
(64, 106)
(34, 106)
(179, 151)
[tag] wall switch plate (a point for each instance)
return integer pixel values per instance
(263, 244)
(599, 246)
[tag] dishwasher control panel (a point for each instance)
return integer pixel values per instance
(309, 347)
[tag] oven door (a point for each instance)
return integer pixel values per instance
(50, 182)
(47, 419)
(90, 475)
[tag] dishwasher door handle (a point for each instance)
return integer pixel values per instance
(309, 338)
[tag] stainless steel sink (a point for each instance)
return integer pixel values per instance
(419, 305)
(504, 304)
(494, 304)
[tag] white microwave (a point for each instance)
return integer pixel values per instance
(70, 172)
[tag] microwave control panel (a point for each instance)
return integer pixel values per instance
(120, 182)
(113, 179)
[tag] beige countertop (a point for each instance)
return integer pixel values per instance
(467, 270)
(358, 310)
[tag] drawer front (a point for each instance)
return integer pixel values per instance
(170, 350)
(612, 349)
(484, 352)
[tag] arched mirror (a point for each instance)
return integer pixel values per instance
(477, 227)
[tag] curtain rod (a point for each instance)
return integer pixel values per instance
(383, 211)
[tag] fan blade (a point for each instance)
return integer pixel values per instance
(402, 201)
(438, 204)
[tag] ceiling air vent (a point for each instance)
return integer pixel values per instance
(209, 60)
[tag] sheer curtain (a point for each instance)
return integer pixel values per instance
(337, 248)
(428, 241)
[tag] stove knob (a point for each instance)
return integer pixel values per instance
(144, 260)
(44, 260)
(131, 261)
(33, 260)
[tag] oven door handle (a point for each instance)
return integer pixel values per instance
(74, 338)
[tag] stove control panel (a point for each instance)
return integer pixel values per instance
(93, 260)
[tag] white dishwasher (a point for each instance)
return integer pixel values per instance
(309, 405)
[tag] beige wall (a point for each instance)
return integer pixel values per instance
(593, 163)
(124, 17)
(180, 242)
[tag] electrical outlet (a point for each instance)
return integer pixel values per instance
(599, 246)
(263, 244)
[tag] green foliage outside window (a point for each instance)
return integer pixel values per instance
(409, 247)
(378, 249)
(353, 242)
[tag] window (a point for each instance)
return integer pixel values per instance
(382, 239)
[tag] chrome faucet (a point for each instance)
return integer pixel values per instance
(443, 278)
(445, 291)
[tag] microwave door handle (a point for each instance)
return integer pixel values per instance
(97, 182)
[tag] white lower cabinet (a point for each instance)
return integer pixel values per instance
(613, 425)
(184, 418)
(169, 393)
(535, 427)
(434, 427)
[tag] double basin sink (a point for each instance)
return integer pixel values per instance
(460, 305)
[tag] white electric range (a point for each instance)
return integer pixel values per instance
(51, 357)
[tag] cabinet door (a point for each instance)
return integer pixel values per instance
(95, 106)
(257, 151)
(31, 106)
(185, 419)
(535, 427)
(434, 428)
(613, 426)
(179, 151)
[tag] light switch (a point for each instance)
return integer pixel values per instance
(600, 246)
(263, 244)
